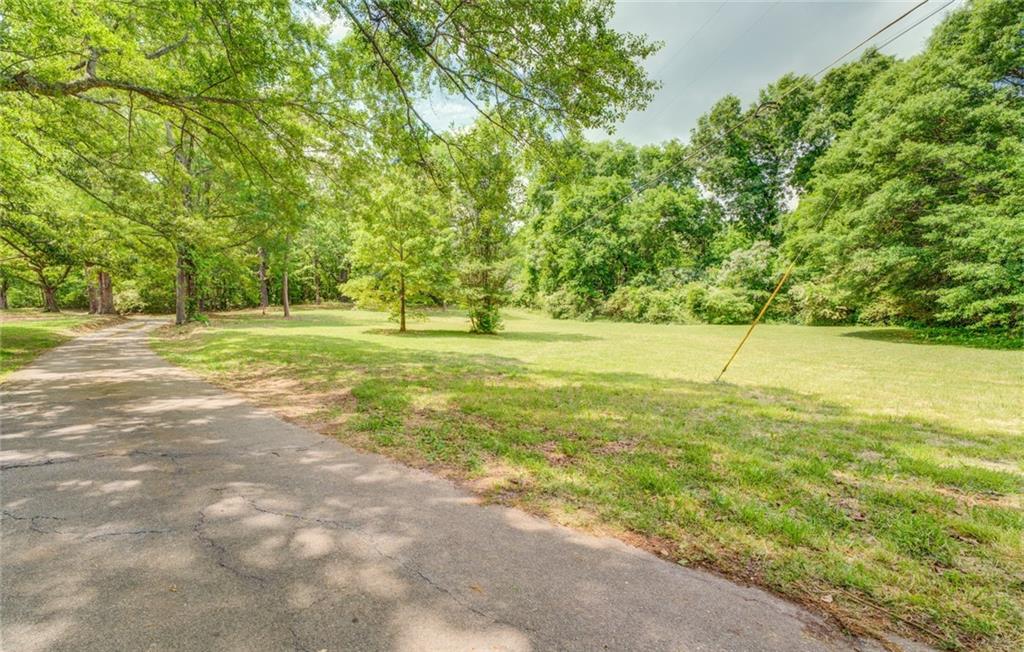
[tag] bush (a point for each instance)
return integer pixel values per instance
(750, 269)
(567, 304)
(127, 298)
(727, 306)
(820, 304)
(694, 297)
(485, 319)
(646, 304)
(623, 304)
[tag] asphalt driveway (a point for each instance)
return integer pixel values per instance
(146, 509)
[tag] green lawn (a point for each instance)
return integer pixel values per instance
(26, 334)
(878, 478)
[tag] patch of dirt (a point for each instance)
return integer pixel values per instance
(553, 454)
(618, 447)
(100, 322)
(871, 456)
(323, 411)
(498, 481)
(851, 507)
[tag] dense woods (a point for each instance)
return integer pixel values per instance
(196, 157)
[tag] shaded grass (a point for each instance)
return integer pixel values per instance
(911, 523)
(1007, 340)
(24, 335)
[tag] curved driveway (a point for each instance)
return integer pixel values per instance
(146, 509)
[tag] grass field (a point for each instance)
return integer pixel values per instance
(877, 478)
(26, 334)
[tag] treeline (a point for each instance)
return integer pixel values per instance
(200, 156)
(896, 188)
(921, 162)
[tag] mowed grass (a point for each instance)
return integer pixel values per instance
(25, 334)
(876, 478)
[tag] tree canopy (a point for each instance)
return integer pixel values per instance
(186, 157)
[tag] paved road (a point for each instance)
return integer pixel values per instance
(146, 509)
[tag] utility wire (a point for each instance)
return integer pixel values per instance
(721, 53)
(753, 116)
(879, 47)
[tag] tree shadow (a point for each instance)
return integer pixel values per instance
(677, 460)
(998, 341)
(514, 336)
(144, 507)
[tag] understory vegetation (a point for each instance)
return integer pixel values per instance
(856, 470)
(893, 187)
(198, 158)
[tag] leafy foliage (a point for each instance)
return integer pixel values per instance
(930, 186)
(400, 252)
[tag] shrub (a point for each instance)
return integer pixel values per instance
(623, 304)
(727, 306)
(127, 298)
(643, 303)
(694, 298)
(485, 319)
(818, 304)
(567, 304)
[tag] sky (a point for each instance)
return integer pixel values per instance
(713, 48)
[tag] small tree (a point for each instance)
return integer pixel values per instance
(400, 249)
(485, 188)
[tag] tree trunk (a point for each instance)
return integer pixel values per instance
(316, 279)
(180, 290)
(285, 299)
(184, 283)
(50, 299)
(93, 292)
(191, 290)
(285, 302)
(106, 294)
(264, 290)
(4, 284)
(401, 303)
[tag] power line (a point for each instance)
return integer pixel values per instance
(755, 23)
(879, 47)
(756, 112)
(821, 221)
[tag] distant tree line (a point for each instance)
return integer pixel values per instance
(153, 163)
(923, 158)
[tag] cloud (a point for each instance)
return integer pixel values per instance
(716, 48)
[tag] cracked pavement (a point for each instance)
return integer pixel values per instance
(146, 509)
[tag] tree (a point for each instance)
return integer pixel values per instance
(486, 188)
(590, 232)
(255, 91)
(929, 181)
(748, 158)
(400, 250)
(323, 249)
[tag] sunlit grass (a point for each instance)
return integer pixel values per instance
(24, 335)
(879, 479)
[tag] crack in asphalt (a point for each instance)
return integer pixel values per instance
(127, 533)
(34, 526)
(50, 460)
(220, 552)
(32, 521)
